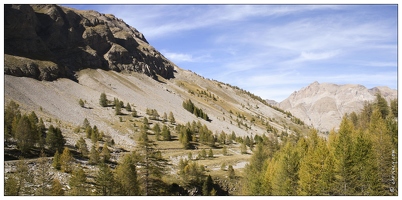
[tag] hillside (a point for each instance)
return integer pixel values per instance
(75, 56)
(323, 105)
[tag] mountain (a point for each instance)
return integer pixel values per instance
(322, 105)
(47, 42)
(86, 53)
(58, 62)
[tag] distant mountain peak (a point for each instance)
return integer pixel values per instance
(323, 104)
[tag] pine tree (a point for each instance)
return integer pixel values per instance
(146, 123)
(105, 153)
(134, 112)
(344, 159)
(382, 105)
(164, 117)
(172, 120)
(117, 108)
(81, 102)
(231, 172)
(394, 107)
(56, 161)
(103, 100)
(55, 139)
(208, 186)
(210, 153)
(383, 147)
(41, 134)
(85, 123)
(152, 165)
(78, 181)
(128, 107)
(205, 191)
(243, 148)
(126, 175)
(166, 133)
(57, 188)
(66, 160)
(93, 155)
(82, 147)
(285, 182)
(312, 171)
(365, 170)
(25, 135)
(157, 131)
(11, 113)
(203, 154)
(225, 150)
(255, 171)
(104, 180)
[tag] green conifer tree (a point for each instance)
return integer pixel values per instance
(78, 182)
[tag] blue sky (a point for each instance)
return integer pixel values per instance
(272, 50)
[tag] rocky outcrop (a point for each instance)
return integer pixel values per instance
(323, 105)
(47, 42)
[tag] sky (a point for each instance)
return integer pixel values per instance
(272, 50)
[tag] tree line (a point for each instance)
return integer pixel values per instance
(190, 107)
(28, 131)
(358, 159)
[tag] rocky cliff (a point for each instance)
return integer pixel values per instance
(47, 42)
(323, 105)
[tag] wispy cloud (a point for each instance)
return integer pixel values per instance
(273, 50)
(178, 57)
(309, 55)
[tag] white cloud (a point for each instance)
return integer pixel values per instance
(178, 57)
(308, 55)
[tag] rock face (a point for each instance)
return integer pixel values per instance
(47, 42)
(323, 105)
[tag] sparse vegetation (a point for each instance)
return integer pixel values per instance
(190, 107)
(103, 100)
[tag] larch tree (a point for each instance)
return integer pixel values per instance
(105, 154)
(126, 175)
(383, 147)
(311, 181)
(66, 160)
(285, 182)
(55, 139)
(25, 135)
(166, 133)
(82, 147)
(344, 158)
(56, 160)
(78, 183)
(231, 172)
(164, 117)
(104, 180)
(365, 169)
(57, 188)
(11, 113)
(157, 131)
(152, 165)
(172, 120)
(93, 155)
(128, 107)
(103, 100)
(254, 172)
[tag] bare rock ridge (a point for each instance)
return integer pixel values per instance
(47, 42)
(323, 105)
